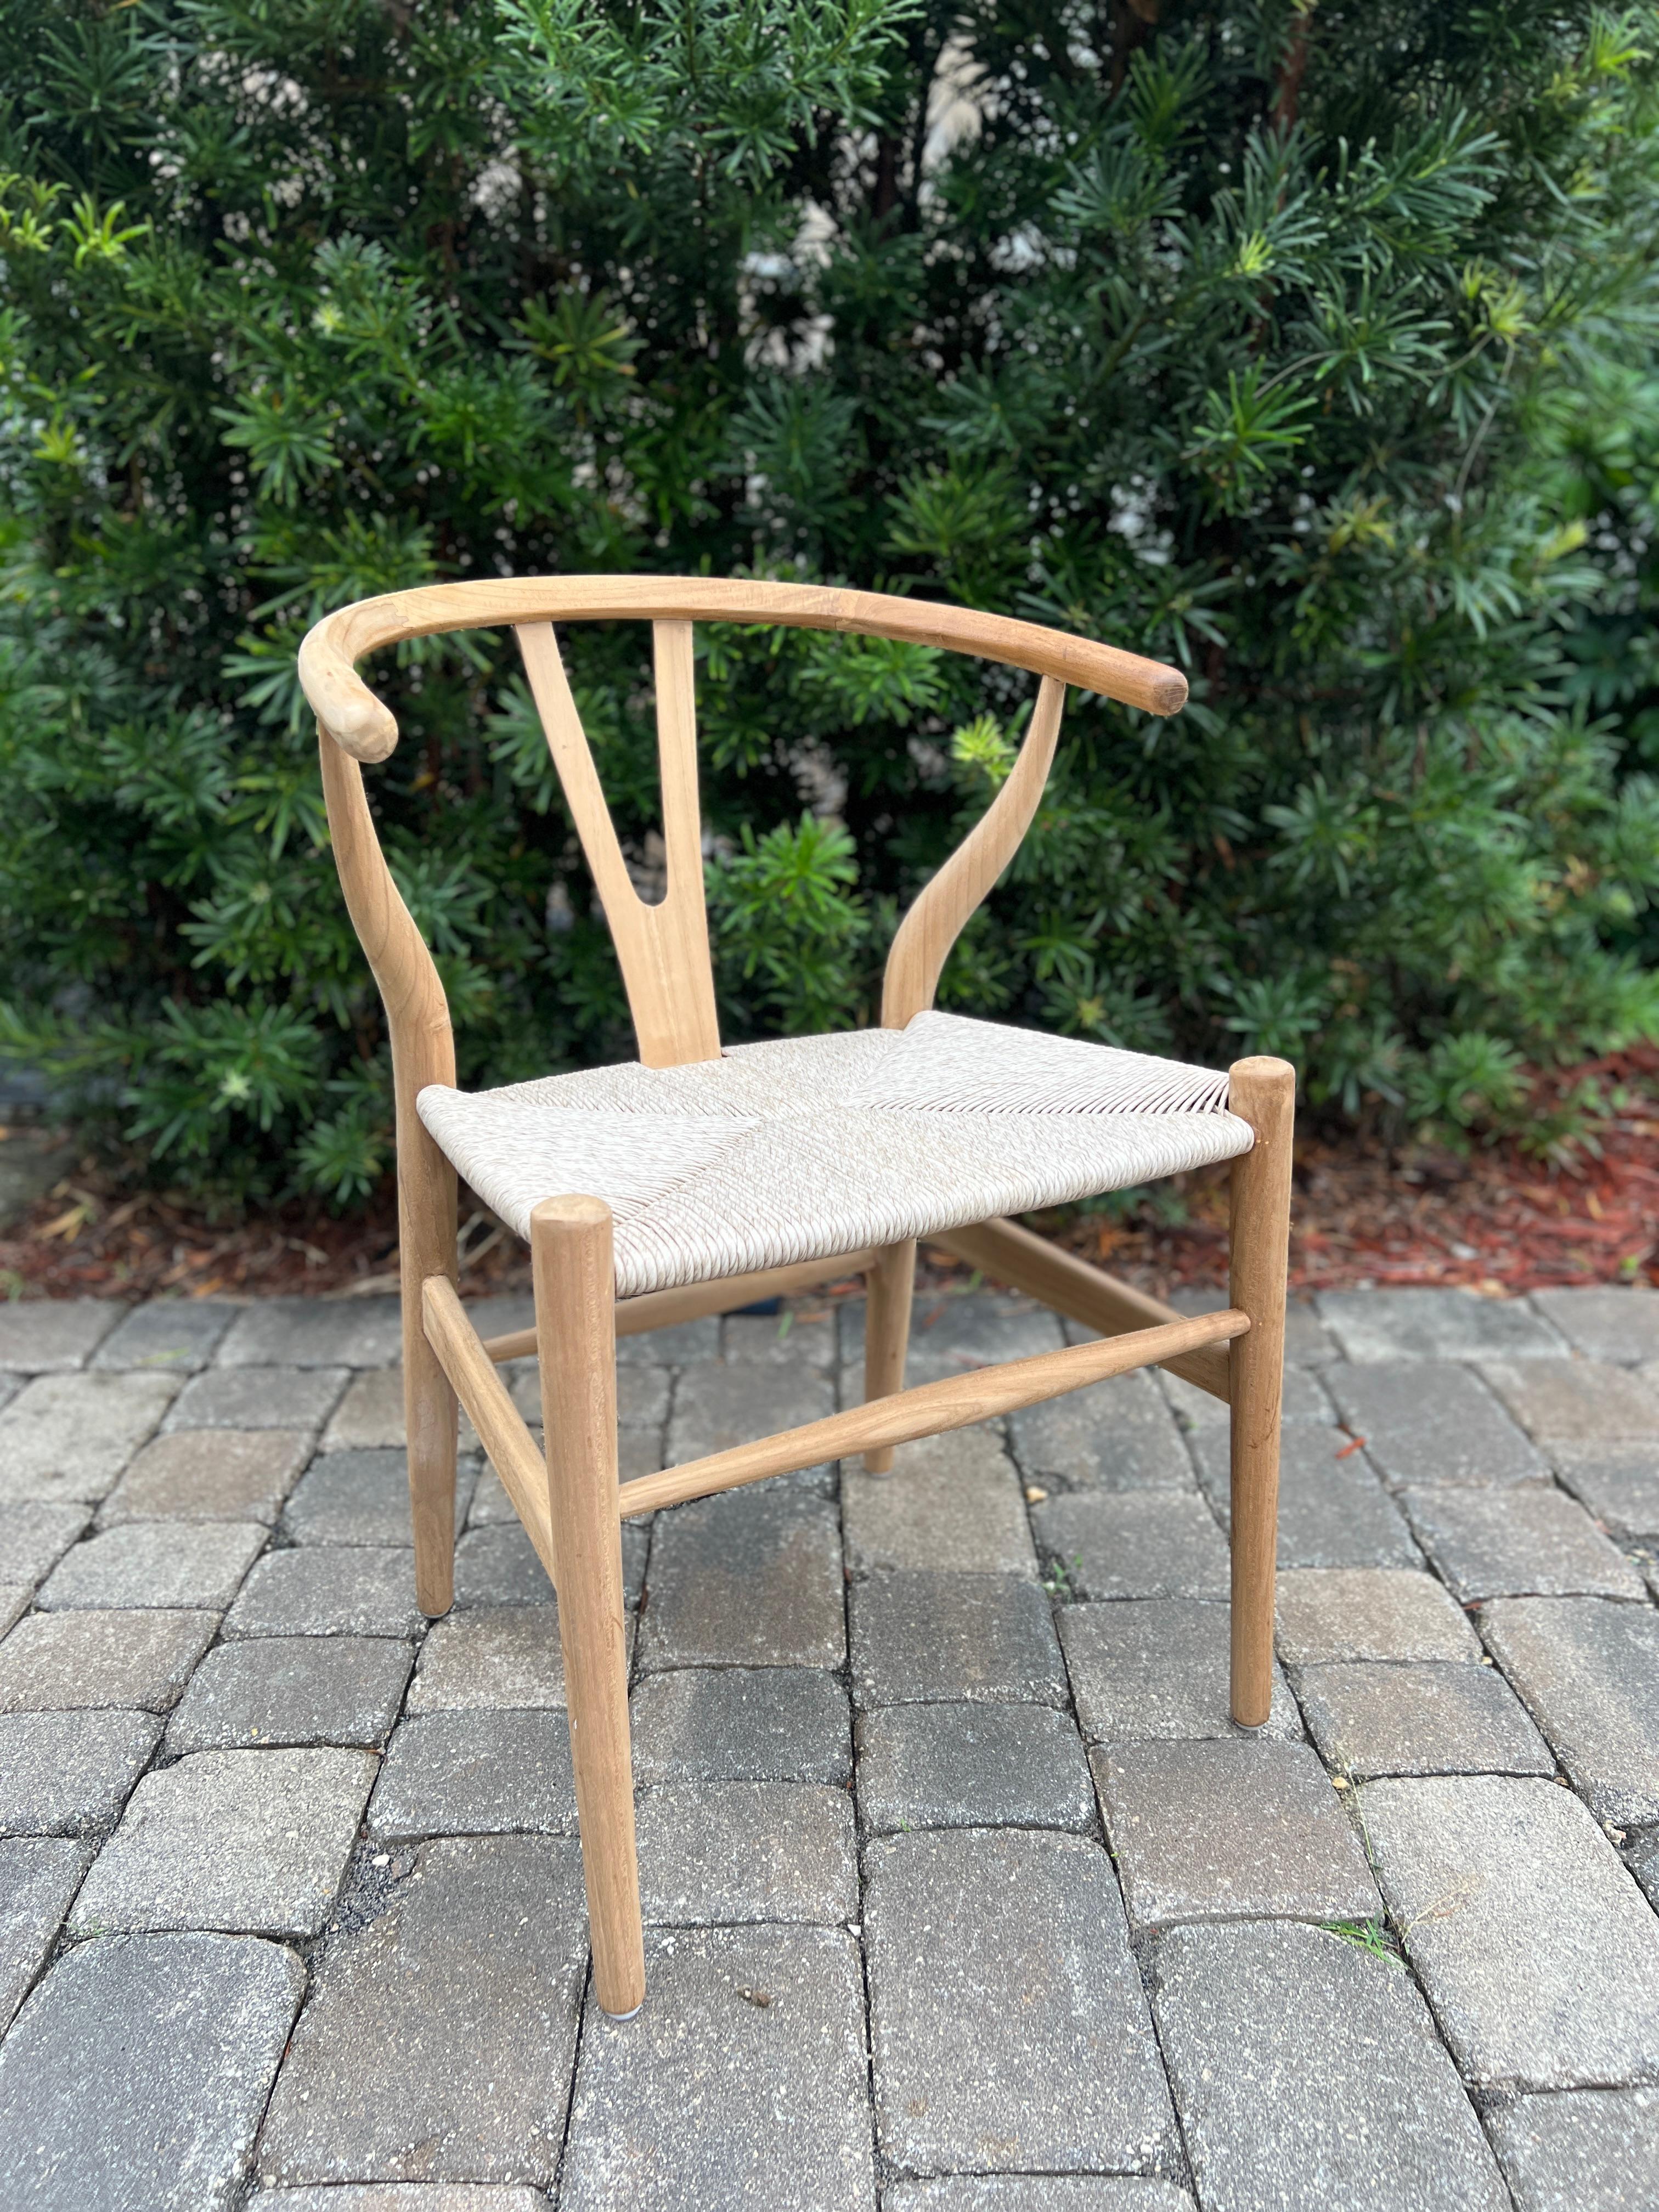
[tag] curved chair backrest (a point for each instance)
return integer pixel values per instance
(663, 950)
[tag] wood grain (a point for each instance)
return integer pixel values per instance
(928, 1411)
(1261, 1091)
(362, 725)
(501, 1431)
(1066, 1285)
(573, 1269)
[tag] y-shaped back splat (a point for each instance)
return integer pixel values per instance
(663, 950)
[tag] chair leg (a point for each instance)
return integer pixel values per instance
(570, 1246)
(888, 1286)
(426, 1211)
(1262, 1091)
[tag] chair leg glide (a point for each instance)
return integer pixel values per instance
(1261, 1091)
(570, 1244)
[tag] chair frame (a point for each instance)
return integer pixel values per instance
(571, 1501)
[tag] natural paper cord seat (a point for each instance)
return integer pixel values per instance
(701, 1178)
(799, 1150)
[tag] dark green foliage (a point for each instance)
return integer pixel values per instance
(1310, 346)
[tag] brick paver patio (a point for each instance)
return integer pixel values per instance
(964, 1895)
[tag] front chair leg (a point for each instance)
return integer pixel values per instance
(1261, 1091)
(570, 1248)
(889, 1283)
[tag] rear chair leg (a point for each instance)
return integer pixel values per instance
(888, 1286)
(426, 1213)
(1262, 1091)
(570, 1248)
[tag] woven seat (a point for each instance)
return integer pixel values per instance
(812, 1146)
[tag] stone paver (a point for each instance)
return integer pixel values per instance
(498, 1566)
(1596, 2150)
(51, 1336)
(359, 1497)
(70, 1435)
(1377, 1325)
(741, 1724)
(39, 1875)
(59, 1661)
(1436, 1717)
(1583, 1401)
(761, 2030)
(972, 1767)
(504, 1657)
(1426, 1423)
(34, 1536)
(325, 1592)
(1023, 2044)
(293, 1691)
(434, 1883)
(752, 1578)
(952, 1335)
(179, 1336)
(64, 1774)
(791, 1338)
(723, 1852)
(717, 1407)
(1228, 1831)
(1369, 1612)
(1115, 1436)
(1137, 1543)
(1607, 1323)
(476, 1774)
(137, 2074)
(1332, 1511)
(210, 1474)
(1540, 1955)
(1517, 1543)
(315, 1333)
(1309, 2076)
(162, 1563)
(242, 1842)
(1589, 1673)
(483, 1954)
(259, 1398)
(1158, 1668)
(951, 1503)
(981, 1638)
(1618, 1483)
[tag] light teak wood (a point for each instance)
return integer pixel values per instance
(1069, 1285)
(929, 1410)
(500, 1426)
(889, 1282)
(944, 907)
(1261, 1091)
(663, 1308)
(571, 1260)
(362, 725)
(422, 1052)
(663, 950)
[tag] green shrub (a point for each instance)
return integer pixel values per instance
(1310, 346)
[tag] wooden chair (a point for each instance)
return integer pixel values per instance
(695, 1183)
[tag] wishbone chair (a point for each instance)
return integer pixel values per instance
(694, 1182)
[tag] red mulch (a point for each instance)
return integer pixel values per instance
(1495, 1220)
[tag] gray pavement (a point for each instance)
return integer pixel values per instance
(963, 1893)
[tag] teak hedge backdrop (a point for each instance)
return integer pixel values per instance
(1310, 345)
